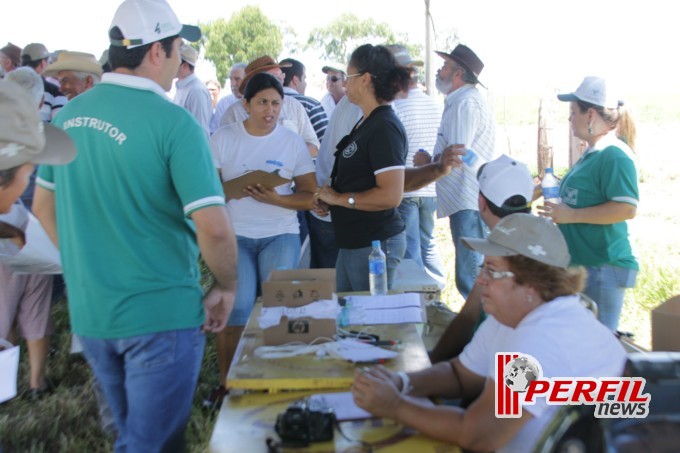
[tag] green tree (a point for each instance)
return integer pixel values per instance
(337, 41)
(247, 35)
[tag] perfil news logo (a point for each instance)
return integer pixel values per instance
(519, 381)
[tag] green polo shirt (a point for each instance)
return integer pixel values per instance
(605, 173)
(128, 246)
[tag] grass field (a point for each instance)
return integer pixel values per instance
(67, 420)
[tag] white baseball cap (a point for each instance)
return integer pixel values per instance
(146, 21)
(503, 178)
(523, 234)
(24, 137)
(188, 54)
(593, 90)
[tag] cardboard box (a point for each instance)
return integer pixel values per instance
(666, 326)
(294, 288)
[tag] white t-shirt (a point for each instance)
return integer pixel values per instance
(235, 152)
(565, 338)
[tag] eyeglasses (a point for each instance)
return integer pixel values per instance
(360, 74)
(494, 275)
(334, 78)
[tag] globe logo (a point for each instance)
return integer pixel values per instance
(520, 372)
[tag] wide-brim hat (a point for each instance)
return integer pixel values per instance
(403, 57)
(528, 235)
(24, 137)
(261, 64)
(74, 61)
(464, 56)
(146, 21)
(593, 90)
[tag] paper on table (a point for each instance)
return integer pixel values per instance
(233, 189)
(321, 309)
(357, 351)
(388, 301)
(346, 409)
(390, 309)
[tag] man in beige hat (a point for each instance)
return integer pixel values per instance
(191, 93)
(77, 72)
(293, 114)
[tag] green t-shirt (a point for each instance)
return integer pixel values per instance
(128, 248)
(605, 173)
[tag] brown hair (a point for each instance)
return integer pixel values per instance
(618, 118)
(549, 281)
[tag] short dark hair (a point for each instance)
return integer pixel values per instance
(26, 61)
(120, 57)
(259, 82)
(295, 69)
(7, 175)
(513, 205)
(388, 77)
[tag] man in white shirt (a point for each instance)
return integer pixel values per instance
(236, 75)
(191, 93)
(336, 80)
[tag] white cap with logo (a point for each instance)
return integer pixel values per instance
(503, 178)
(145, 21)
(593, 90)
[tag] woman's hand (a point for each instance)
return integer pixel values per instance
(328, 196)
(558, 212)
(262, 194)
(320, 208)
(375, 390)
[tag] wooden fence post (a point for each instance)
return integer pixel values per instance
(544, 154)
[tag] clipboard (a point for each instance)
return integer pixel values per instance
(233, 189)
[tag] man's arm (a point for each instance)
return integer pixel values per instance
(460, 330)
(418, 177)
(45, 211)
(217, 243)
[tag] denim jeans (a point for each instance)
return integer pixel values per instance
(352, 265)
(324, 252)
(606, 285)
(256, 259)
(466, 223)
(149, 382)
(418, 215)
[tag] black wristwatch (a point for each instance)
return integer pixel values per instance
(351, 201)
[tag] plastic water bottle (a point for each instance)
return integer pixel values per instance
(550, 186)
(377, 270)
(472, 160)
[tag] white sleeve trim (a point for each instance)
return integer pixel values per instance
(383, 170)
(198, 204)
(45, 184)
(629, 200)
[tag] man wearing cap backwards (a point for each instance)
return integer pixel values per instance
(132, 212)
(420, 114)
(293, 115)
(505, 187)
(236, 75)
(191, 93)
(10, 58)
(531, 298)
(467, 120)
(36, 56)
(336, 81)
(77, 72)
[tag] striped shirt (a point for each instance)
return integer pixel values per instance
(467, 120)
(315, 111)
(420, 114)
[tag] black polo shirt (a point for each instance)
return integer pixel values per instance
(376, 145)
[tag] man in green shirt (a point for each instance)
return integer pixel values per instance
(130, 215)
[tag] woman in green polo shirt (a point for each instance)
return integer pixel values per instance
(599, 194)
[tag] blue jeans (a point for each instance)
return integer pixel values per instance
(418, 215)
(324, 252)
(606, 285)
(466, 223)
(149, 382)
(256, 259)
(352, 265)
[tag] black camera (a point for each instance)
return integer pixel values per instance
(306, 421)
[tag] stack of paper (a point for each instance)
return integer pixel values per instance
(391, 309)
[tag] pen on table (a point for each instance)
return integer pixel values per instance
(386, 342)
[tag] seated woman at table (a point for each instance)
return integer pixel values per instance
(264, 220)
(367, 181)
(529, 294)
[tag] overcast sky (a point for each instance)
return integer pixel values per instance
(532, 46)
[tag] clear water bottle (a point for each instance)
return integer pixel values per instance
(377, 270)
(550, 186)
(472, 160)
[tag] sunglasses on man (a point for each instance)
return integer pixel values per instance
(334, 78)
